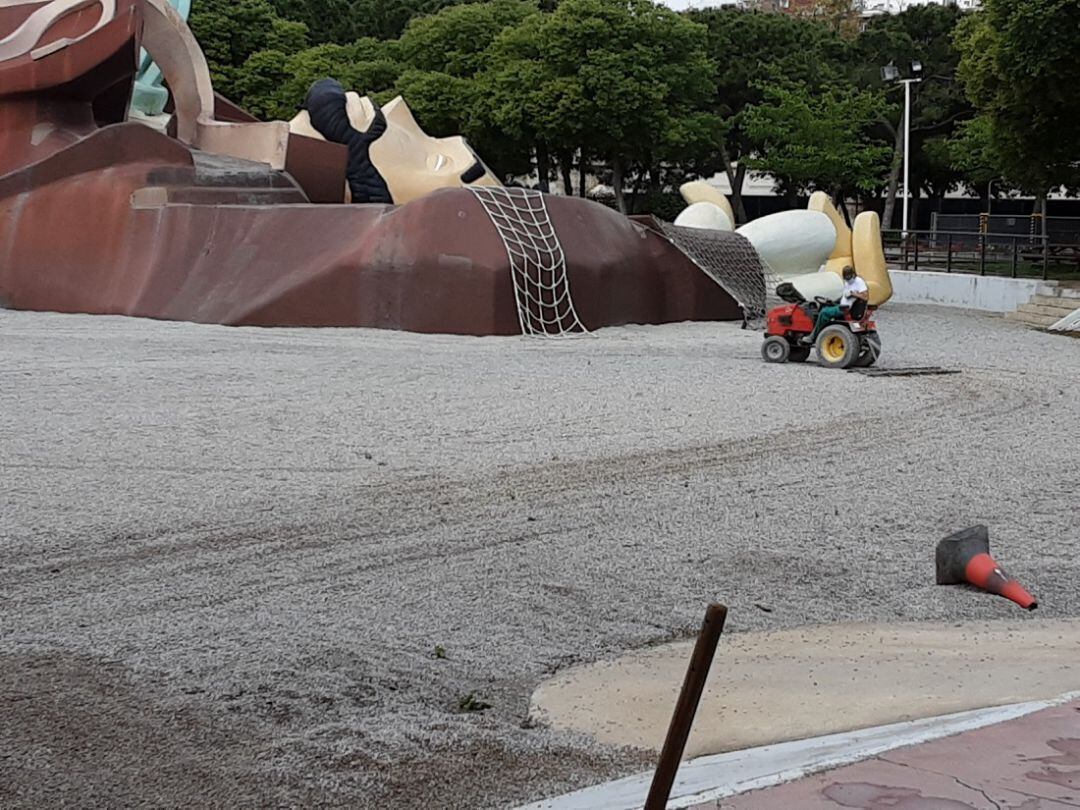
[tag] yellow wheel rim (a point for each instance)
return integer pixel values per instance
(833, 347)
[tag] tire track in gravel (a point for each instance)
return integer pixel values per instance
(566, 486)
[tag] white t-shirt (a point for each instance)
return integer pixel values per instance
(856, 285)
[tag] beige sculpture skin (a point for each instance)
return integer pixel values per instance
(411, 162)
(170, 42)
(859, 246)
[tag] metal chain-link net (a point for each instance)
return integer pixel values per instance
(730, 260)
(537, 262)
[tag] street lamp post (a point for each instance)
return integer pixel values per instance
(891, 73)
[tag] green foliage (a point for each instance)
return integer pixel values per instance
(273, 85)
(626, 80)
(230, 31)
(971, 152)
(818, 141)
(1018, 65)
(455, 41)
(345, 20)
(650, 97)
(442, 102)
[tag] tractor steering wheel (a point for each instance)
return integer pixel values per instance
(821, 299)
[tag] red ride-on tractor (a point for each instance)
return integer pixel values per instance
(850, 342)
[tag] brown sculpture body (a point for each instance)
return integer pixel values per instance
(100, 215)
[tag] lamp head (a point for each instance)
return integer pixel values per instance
(890, 73)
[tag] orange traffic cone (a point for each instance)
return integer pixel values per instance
(965, 557)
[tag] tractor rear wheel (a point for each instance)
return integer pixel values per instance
(775, 349)
(837, 346)
(869, 350)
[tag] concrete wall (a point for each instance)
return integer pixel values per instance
(989, 293)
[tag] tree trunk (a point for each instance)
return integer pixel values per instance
(654, 179)
(617, 183)
(583, 171)
(844, 210)
(735, 180)
(543, 167)
(894, 176)
(566, 164)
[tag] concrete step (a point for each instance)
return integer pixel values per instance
(1052, 301)
(1042, 309)
(1033, 319)
(225, 195)
(1059, 291)
(155, 196)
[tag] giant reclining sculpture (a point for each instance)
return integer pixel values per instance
(216, 223)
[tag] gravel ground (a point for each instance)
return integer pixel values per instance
(267, 567)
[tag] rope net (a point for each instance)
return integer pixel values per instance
(537, 262)
(730, 260)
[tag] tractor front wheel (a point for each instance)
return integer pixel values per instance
(837, 347)
(775, 349)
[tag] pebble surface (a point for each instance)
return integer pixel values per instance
(247, 567)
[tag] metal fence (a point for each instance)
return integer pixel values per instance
(1000, 228)
(998, 254)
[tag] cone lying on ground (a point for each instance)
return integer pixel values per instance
(965, 557)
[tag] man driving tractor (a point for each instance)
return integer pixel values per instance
(854, 298)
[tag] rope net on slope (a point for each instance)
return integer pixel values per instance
(730, 260)
(537, 262)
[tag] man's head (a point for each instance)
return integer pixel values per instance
(849, 273)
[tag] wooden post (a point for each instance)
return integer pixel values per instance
(686, 707)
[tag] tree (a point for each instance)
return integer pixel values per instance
(923, 33)
(972, 154)
(819, 140)
(273, 85)
(326, 20)
(342, 21)
(230, 31)
(749, 47)
(455, 41)
(1018, 66)
(610, 78)
(446, 54)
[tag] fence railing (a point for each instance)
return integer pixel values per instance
(1014, 255)
(1063, 230)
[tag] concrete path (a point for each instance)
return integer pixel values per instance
(1030, 763)
(767, 687)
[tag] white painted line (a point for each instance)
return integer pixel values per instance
(719, 775)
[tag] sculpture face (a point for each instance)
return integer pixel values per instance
(388, 142)
(414, 163)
